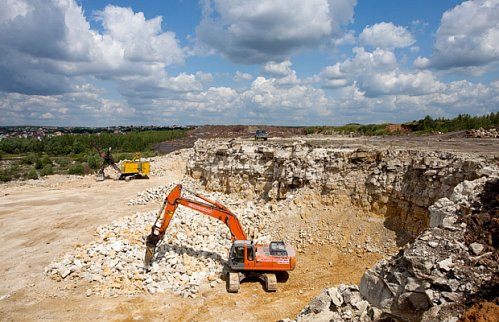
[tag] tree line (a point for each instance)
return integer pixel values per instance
(423, 126)
(67, 144)
(462, 122)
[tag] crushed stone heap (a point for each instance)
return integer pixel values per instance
(483, 133)
(192, 255)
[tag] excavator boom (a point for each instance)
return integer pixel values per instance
(107, 158)
(168, 208)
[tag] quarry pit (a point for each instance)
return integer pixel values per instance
(343, 207)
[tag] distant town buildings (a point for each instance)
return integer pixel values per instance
(39, 133)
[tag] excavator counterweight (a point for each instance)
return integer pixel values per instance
(246, 258)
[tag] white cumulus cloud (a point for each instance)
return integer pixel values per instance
(242, 77)
(386, 35)
(45, 43)
(400, 83)
(363, 63)
(277, 69)
(258, 31)
(205, 78)
(467, 39)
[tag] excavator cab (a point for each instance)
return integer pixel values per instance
(237, 253)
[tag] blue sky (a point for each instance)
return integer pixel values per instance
(279, 62)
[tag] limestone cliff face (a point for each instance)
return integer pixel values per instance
(427, 280)
(397, 184)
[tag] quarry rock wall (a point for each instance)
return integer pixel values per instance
(398, 184)
(428, 280)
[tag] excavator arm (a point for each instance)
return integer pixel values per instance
(210, 208)
(106, 156)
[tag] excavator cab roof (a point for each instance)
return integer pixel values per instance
(242, 242)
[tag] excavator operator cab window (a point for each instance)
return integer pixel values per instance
(238, 255)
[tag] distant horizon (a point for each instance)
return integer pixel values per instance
(286, 63)
(193, 125)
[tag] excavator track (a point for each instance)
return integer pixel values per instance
(235, 278)
(234, 282)
(270, 282)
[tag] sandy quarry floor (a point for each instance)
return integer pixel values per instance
(39, 223)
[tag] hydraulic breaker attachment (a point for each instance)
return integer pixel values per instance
(151, 242)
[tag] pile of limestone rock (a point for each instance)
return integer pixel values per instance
(343, 303)
(162, 165)
(191, 256)
(254, 218)
(483, 133)
(426, 280)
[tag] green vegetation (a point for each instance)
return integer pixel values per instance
(93, 162)
(32, 174)
(10, 174)
(370, 129)
(62, 161)
(73, 154)
(423, 126)
(38, 164)
(77, 169)
(5, 175)
(46, 160)
(462, 122)
(66, 144)
(123, 156)
(46, 170)
(30, 159)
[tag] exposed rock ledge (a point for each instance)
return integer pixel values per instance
(397, 184)
(426, 281)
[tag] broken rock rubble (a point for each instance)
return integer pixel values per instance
(343, 303)
(483, 133)
(424, 279)
(191, 256)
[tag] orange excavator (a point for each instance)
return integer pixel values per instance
(245, 257)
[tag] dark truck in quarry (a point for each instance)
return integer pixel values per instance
(261, 135)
